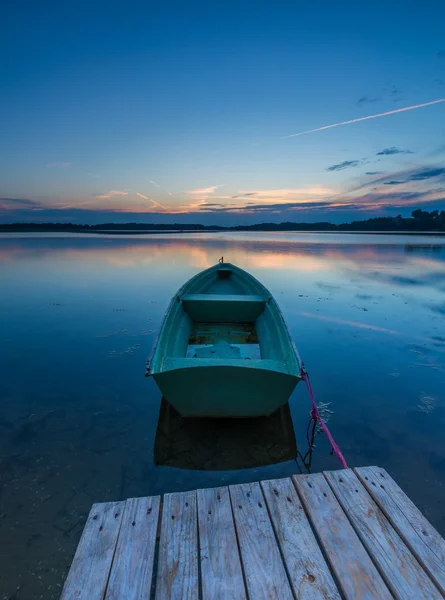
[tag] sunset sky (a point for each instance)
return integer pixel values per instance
(221, 112)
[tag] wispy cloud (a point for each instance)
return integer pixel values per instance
(144, 197)
(366, 100)
(376, 116)
(346, 206)
(76, 204)
(393, 150)
(438, 151)
(203, 201)
(412, 175)
(278, 208)
(357, 204)
(203, 191)
(417, 174)
(395, 91)
(16, 203)
(246, 194)
(59, 165)
(426, 173)
(373, 172)
(346, 164)
(199, 196)
(111, 194)
(285, 193)
(159, 186)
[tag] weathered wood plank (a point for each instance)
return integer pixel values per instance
(221, 572)
(177, 577)
(403, 574)
(353, 567)
(88, 576)
(264, 570)
(132, 569)
(419, 535)
(308, 572)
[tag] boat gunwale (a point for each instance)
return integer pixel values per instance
(259, 364)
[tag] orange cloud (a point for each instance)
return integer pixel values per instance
(291, 193)
(111, 194)
(203, 191)
(151, 200)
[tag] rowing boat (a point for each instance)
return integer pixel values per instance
(223, 349)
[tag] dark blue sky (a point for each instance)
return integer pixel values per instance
(182, 111)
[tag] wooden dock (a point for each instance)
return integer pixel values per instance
(349, 534)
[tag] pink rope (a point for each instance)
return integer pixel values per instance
(315, 415)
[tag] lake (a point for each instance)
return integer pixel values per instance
(79, 423)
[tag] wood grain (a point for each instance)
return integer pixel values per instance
(177, 576)
(221, 572)
(403, 574)
(419, 535)
(132, 569)
(88, 576)
(353, 567)
(308, 572)
(264, 570)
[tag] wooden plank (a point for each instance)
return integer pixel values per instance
(177, 577)
(308, 572)
(403, 574)
(88, 576)
(264, 570)
(419, 535)
(221, 572)
(132, 569)
(353, 567)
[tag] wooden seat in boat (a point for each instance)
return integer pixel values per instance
(228, 308)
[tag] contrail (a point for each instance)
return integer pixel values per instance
(62, 206)
(385, 114)
(154, 201)
(159, 186)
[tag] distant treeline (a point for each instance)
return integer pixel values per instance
(107, 227)
(420, 220)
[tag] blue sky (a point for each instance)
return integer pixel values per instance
(181, 112)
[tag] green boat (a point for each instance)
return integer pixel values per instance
(223, 349)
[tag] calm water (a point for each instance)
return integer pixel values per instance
(79, 422)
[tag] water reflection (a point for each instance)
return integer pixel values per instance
(370, 327)
(286, 251)
(223, 444)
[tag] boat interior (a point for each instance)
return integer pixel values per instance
(226, 315)
(223, 331)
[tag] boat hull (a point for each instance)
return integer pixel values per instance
(224, 349)
(225, 391)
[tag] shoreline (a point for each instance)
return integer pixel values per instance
(139, 232)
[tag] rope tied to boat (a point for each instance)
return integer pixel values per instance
(315, 416)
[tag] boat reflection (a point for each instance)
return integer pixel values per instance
(223, 444)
